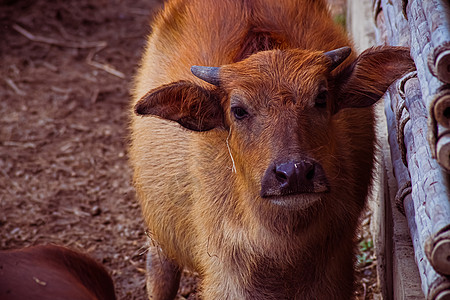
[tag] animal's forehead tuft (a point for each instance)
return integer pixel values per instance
(272, 96)
(291, 60)
(279, 67)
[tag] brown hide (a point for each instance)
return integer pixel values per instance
(52, 272)
(277, 104)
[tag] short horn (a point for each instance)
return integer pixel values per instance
(337, 56)
(208, 74)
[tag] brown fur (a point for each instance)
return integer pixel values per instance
(205, 215)
(52, 272)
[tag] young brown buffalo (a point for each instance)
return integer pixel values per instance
(50, 272)
(253, 146)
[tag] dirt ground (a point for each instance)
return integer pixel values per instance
(65, 73)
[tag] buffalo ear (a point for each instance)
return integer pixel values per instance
(192, 106)
(364, 82)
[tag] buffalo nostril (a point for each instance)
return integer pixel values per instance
(281, 176)
(310, 173)
(284, 173)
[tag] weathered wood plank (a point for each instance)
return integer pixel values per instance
(432, 191)
(438, 19)
(436, 94)
(419, 203)
(410, 109)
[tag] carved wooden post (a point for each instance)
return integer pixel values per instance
(437, 14)
(422, 194)
(411, 113)
(430, 44)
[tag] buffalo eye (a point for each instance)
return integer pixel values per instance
(239, 112)
(321, 99)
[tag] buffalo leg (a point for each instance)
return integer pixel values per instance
(163, 276)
